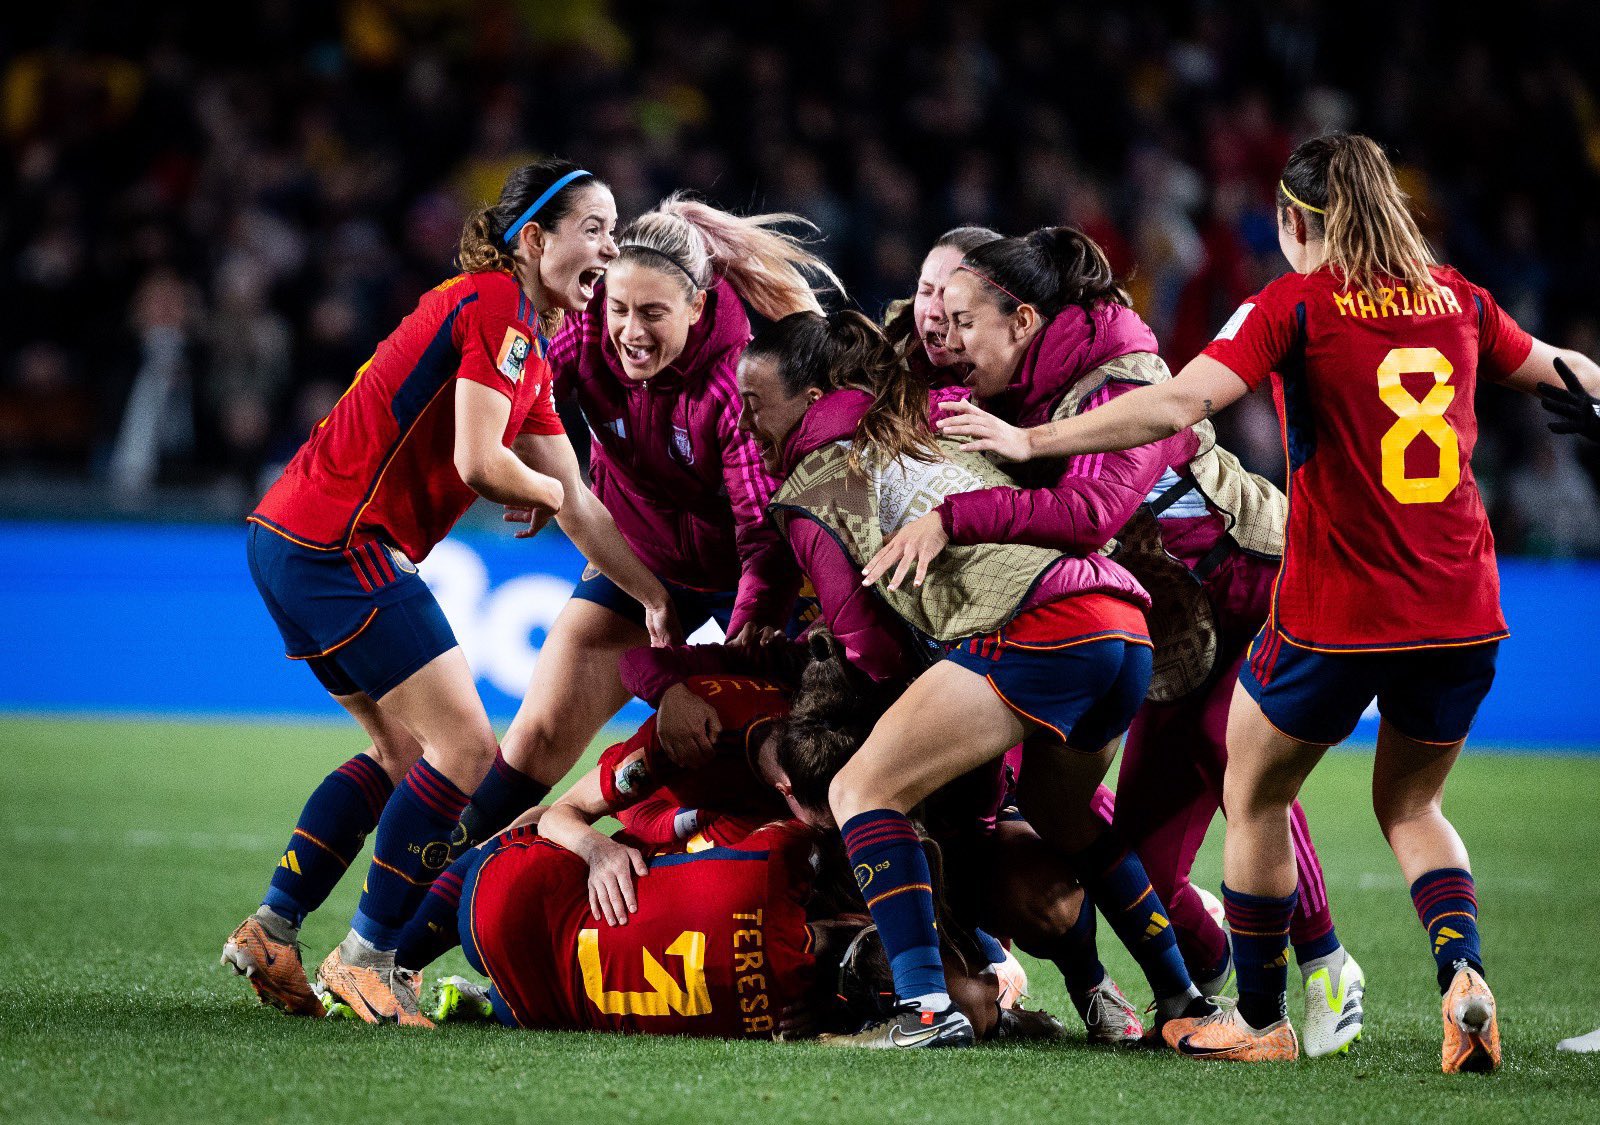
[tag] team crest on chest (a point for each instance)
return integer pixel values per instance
(513, 358)
(681, 444)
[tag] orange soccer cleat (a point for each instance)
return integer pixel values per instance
(372, 987)
(272, 965)
(1471, 1031)
(1225, 1037)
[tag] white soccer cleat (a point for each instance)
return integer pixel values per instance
(1334, 1010)
(1110, 1019)
(1581, 1044)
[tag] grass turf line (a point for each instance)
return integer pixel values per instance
(133, 848)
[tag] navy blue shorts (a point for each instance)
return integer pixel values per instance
(1427, 694)
(1086, 693)
(363, 619)
(695, 607)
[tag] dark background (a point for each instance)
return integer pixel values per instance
(210, 217)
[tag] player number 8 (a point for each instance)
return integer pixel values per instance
(1424, 417)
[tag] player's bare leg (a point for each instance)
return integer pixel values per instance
(265, 947)
(439, 707)
(1266, 769)
(575, 689)
(947, 723)
(1408, 779)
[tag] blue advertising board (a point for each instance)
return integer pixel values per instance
(164, 620)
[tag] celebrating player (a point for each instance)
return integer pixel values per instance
(454, 405)
(652, 362)
(1048, 332)
(1388, 587)
(1044, 645)
(918, 326)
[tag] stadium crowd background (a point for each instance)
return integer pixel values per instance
(209, 224)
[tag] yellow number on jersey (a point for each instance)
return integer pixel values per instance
(1418, 417)
(693, 998)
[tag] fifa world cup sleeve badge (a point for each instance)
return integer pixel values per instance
(513, 355)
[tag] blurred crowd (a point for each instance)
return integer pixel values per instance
(209, 223)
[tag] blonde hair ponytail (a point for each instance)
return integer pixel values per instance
(766, 266)
(1347, 187)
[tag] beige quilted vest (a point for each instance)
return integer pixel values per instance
(969, 590)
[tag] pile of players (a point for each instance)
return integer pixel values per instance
(1020, 547)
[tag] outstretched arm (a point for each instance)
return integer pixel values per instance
(1540, 369)
(1202, 389)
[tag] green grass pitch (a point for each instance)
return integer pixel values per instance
(132, 848)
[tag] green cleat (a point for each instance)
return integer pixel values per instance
(462, 1001)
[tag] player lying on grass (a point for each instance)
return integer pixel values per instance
(1388, 588)
(718, 944)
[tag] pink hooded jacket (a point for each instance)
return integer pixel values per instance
(685, 486)
(873, 636)
(1081, 503)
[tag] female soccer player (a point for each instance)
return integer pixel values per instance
(918, 326)
(1048, 332)
(1042, 644)
(1388, 588)
(652, 362)
(454, 405)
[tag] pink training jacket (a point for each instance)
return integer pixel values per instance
(1081, 503)
(685, 486)
(874, 637)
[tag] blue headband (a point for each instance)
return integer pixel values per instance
(549, 193)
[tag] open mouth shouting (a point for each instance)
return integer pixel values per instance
(588, 280)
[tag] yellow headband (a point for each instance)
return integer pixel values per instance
(1299, 202)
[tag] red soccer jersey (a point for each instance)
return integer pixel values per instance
(731, 783)
(718, 947)
(381, 464)
(1388, 543)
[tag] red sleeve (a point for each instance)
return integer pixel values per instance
(613, 761)
(542, 419)
(1259, 333)
(650, 822)
(874, 639)
(1087, 507)
(1503, 345)
(497, 348)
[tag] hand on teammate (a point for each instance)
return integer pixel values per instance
(661, 622)
(751, 635)
(916, 544)
(1576, 410)
(612, 870)
(987, 434)
(533, 520)
(688, 727)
